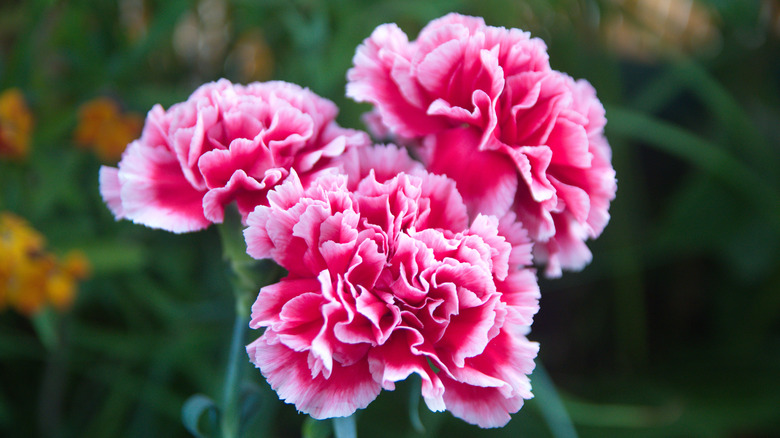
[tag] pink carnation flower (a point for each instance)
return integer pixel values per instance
(486, 109)
(387, 280)
(225, 143)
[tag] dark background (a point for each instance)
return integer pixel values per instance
(672, 331)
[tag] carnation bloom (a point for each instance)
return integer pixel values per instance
(225, 143)
(485, 108)
(386, 280)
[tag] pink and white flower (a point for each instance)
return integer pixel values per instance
(226, 143)
(388, 278)
(484, 108)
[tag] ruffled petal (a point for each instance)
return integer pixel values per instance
(402, 355)
(248, 193)
(110, 190)
(267, 309)
(390, 274)
(494, 384)
(382, 75)
(346, 390)
(498, 83)
(225, 143)
(155, 193)
(486, 180)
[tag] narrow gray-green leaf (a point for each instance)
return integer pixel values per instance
(550, 404)
(199, 416)
(700, 153)
(415, 394)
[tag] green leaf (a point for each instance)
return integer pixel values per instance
(700, 153)
(415, 393)
(623, 415)
(550, 404)
(199, 415)
(258, 409)
(743, 136)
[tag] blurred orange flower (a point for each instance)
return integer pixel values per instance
(103, 127)
(30, 277)
(15, 124)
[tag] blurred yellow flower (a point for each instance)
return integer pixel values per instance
(15, 124)
(30, 277)
(104, 128)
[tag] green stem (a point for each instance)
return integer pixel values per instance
(234, 251)
(247, 277)
(344, 427)
(236, 359)
(56, 371)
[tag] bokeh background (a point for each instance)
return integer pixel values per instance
(106, 327)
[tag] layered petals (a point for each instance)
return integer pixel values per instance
(226, 143)
(388, 278)
(151, 189)
(483, 106)
(492, 385)
(346, 389)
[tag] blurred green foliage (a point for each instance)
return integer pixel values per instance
(672, 331)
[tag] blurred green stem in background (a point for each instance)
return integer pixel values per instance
(50, 328)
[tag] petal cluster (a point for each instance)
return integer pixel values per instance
(386, 278)
(486, 109)
(225, 143)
